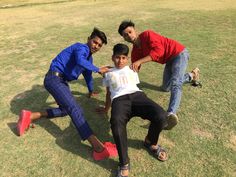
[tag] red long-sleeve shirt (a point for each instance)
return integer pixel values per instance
(160, 48)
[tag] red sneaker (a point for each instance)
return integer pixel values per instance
(101, 155)
(111, 148)
(109, 151)
(23, 122)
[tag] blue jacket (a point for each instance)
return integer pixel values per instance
(73, 61)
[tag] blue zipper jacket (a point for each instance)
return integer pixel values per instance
(73, 61)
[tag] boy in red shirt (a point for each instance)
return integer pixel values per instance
(151, 46)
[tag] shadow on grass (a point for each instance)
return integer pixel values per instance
(68, 139)
(7, 6)
(145, 85)
(12, 126)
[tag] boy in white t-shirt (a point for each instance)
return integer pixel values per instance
(126, 101)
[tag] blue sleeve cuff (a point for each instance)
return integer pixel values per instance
(96, 69)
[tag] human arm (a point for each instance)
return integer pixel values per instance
(135, 66)
(83, 60)
(89, 81)
(104, 69)
(106, 107)
(93, 94)
(152, 45)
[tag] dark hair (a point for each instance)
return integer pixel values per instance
(100, 34)
(124, 24)
(120, 49)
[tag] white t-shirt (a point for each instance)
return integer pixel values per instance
(121, 81)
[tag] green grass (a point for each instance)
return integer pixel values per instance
(32, 32)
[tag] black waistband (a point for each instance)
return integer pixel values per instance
(55, 73)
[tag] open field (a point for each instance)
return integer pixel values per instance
(32, 32)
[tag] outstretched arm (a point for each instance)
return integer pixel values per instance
(104, 69)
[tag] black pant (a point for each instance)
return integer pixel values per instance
(131, 105)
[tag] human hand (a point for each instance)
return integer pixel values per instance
(135, 66)
(93, 94)
(104, 69)
(101, 110)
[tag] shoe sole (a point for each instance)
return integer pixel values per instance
(172, 121)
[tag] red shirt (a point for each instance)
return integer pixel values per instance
(160, 48)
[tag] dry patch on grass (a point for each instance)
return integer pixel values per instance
(14, 3)
(209, 5)
(203, 134)
(33, 19)
(25, 47)
(232, 142)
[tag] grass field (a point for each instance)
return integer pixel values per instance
(32, 32)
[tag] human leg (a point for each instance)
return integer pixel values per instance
(56, 112)
(119, 118)
(166, 78)
(27, 117)
(37, 115)
(144, 107)
(178, 67)
(60, 91)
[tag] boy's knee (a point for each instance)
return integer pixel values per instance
(176, 84)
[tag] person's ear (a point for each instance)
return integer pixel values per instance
(112, 57)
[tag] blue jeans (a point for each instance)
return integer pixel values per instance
(60, 91)
(174, 77)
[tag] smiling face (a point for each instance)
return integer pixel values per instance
(120, 61)
(94, 44)
(129, 34)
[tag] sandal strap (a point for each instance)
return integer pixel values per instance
(159, 150)
(124, 167)
(155, 152)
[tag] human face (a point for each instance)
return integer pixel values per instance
(129, 34)
(120, 61)
(94, 44)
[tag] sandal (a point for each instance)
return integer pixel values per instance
(195, 78)
(120, 168)
(156, 152)
(196, 74)
(196, 84)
